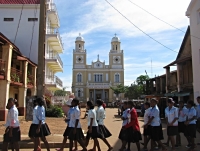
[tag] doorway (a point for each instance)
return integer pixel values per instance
(98, 96)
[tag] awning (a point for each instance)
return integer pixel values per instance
(178, 94)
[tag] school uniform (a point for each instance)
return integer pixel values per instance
(156, 127)
(12, 121)
(40, 116)
(171, 114)
(103, 131)
(132, 129)
(68, 128)
(198, 118)
(181, 119)
(74, 116)
(190, 130)
(34, 125)
(95, 129)
(147, 131)
(122, 134)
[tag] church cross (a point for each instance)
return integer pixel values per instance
(98, 57)
(115, 34)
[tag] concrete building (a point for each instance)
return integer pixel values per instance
(93, 81)
(17, 76)
(19, 21)
(193, 12)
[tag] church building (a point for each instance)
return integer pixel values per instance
(93, 81)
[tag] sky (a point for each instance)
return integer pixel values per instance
(97, 22)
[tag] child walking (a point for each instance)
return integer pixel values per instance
(76, 133)
(103, 131)
(12, 132)
(132, 129)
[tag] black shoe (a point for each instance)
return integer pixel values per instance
(176, 146)
(188, 146)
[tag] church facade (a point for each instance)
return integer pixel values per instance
(93, 81)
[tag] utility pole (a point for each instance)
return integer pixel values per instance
(41, 49)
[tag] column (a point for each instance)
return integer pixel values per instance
(110, 96)
(103, 96)
(25, 68)
(22, 101)
(94, 96)
(167, 78)
(34, 89)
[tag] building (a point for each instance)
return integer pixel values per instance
(17, 76)
(193, 12)
(19, 22)
(93, 81)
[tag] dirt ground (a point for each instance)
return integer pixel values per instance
(56, 125)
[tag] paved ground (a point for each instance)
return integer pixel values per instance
(113, 123)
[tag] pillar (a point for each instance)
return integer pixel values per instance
(34, 89)
(94, 96)
(110, 96)
(22, 101)
(25, 69)
(103, 95)
(167, 78)
(179, 80)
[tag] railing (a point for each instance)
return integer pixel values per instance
(52, 55)
(52, 79)
(58, 81)
(30, 80)
(16, 75)
(99, 84)
(52, 7)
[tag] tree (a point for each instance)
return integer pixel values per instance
(62, 92)
(119, 89)
(141, 80)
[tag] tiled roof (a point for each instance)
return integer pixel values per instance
(19, 1)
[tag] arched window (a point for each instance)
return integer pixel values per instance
(79, 77)
(117, 77)
(79, 93)
(79, 45)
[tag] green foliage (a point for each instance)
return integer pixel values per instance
(54, 111)
(60, 92)
(141, 80)
(15, 77)
(119, 89)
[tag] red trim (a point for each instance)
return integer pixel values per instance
(19, 1)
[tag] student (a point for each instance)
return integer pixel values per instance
(198, 115)
(181, 120)
(93, 130)
(42, 129)
(156, 127)
(12, 132)
(76, 133)
(132, 128)
(147, 128)
(190, 130)
(171, 115)
(103, 131)
(124, 117)
(68, 129)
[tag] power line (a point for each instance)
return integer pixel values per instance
(139, 28)
(160, 19)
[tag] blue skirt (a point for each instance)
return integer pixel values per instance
(16, 136)
(104, 132)
(78, 136)
(131, 135)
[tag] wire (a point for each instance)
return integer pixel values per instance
(160, 19)
(139, 28)
(19, 23)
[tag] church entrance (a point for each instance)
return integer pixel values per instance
(98, 96)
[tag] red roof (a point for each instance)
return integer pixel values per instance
(19, 1)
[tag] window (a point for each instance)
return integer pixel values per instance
(79, 77)
(79, 93)
(116, 47)
(32, 19)
(98, 78)
(8, 19)
(117, 77)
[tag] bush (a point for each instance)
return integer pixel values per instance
(54, 111)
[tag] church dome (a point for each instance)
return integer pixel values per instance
(79, 38)
(115, 39)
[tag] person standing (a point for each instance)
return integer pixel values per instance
(12, 132)
(190, 130)
(171, 115)
(198, 116)
(103, 131)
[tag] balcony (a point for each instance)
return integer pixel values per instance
(30, 80)
(2, 69)
(53, 83)
(16, 77)
(54, 61)
(52, 13)
(98, 85)
(54, 39)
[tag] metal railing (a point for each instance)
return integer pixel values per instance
(52, 7)
(30, 80)
(52, 79)
(16, 75)
(52, 55)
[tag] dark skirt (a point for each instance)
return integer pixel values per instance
(156, 133)
(44, 131)
(32, 130)
(104, 132)
(132, 135)
(172, 130)
(16, 136)
(147, 131)
(198, 126)
(181, 127)
(94, 134)
(190, 130)
(122, 134)
(78, 136)
(67, 131)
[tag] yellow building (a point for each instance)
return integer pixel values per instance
(92, 82)
(17, 77)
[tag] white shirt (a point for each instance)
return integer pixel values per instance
(92, 114)
(69, 114)
(198, 111)
(146, 115)
(40, 115)
(35, 120)
(12, 117)
(155, 112)
(182, 114)
(124, 115)
(190, 113)
(100, 115)
(171, 114)
(75, 115)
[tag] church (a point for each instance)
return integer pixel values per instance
(93, 81)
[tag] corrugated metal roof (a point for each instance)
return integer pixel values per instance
(19, 1)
